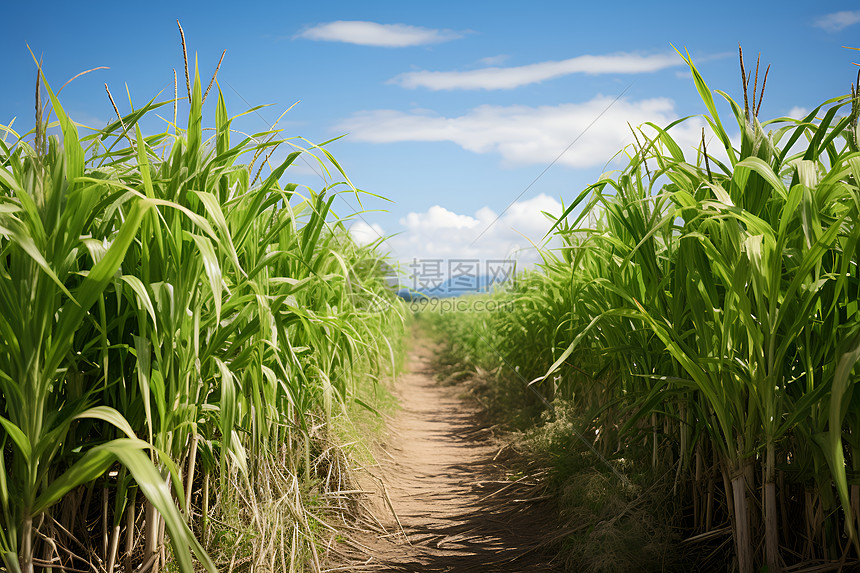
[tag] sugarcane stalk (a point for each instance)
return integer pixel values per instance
(189, 482)
(771, 523)
(130, 537)
(743, 539)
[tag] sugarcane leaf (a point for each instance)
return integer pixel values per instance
(109, 415)
(212, 269)
(18, 437)
(143, 297)
(566, 354)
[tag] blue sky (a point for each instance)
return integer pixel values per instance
(451, 109)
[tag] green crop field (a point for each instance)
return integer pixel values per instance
(190, 344)
(702, 321)
(178, 331)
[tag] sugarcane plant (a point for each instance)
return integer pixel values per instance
(705, 301)
(175, 325)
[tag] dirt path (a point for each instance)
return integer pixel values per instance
(459, 505)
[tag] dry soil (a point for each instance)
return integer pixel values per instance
(447, 497)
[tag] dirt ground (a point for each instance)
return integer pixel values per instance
(445, 495)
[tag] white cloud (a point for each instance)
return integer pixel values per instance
(798, 112)
(443, 235)
(495, 78)
(364, 233)
(373, 34)
(530, 135)
(494, 60)
(837, 20)
(438, 218)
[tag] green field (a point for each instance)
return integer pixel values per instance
(701, 324)
(182, 334)
(189, 343)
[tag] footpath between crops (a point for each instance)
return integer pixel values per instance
(446, 496)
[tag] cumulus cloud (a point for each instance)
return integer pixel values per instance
(798, 112)
(496, 78)
(440, 234)
(524, 135)
(374, 34)
(439, 239)
(364, 233)
(837, 20)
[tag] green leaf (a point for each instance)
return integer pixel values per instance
(71, 143)
(110, 416)
(212, 269)
(564, 355)
(18, 437)
(128, 452)
(89, 467)
(142, 297)
(73, 313)
(763, 169)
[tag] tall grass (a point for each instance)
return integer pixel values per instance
(173, 329)
(708, 309)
